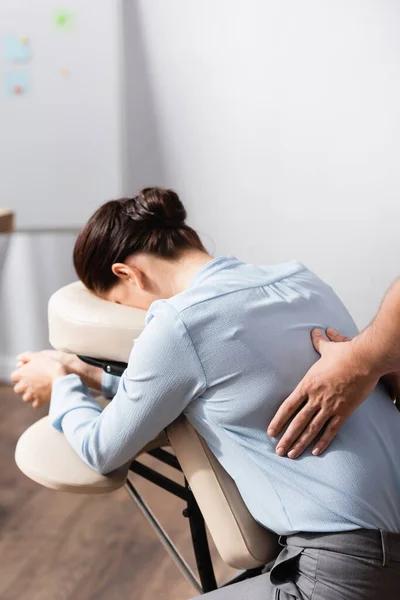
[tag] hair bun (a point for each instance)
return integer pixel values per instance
(157, 208)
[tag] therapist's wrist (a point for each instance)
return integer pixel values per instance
(368, 358)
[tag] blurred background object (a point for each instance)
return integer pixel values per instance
(6, 228)
(6, 220)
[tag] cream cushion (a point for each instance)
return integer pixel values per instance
(240, 540)
(44, 455)
(84, 324)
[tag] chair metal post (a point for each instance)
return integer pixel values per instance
(200, 542)
(163, 537)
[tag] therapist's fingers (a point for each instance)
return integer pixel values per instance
(319, 340)
(286, 411)
(310, 432)
(300, 423)
(326, 438)
(335, 336)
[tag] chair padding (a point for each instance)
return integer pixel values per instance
(44, 455)
(83, 324)
(240, 540)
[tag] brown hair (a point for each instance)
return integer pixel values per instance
(152, 222)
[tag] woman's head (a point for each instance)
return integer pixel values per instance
(115, 248)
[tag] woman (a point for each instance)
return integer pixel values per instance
(226, 342)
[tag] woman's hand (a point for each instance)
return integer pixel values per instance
(64, 358)
(89, 374)
(34, 377)
(328, 394)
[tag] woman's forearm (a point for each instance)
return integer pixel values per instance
(378, 346)
(90, 375)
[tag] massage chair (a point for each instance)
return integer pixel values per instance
(102, 334)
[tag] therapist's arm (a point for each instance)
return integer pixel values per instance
(340, 381)
(379, 344)
(164, 374)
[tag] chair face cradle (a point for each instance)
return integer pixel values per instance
(102, 333)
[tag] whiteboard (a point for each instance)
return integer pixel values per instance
(61, 140)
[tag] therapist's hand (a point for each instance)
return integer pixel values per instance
(328, 394)
(34, 378)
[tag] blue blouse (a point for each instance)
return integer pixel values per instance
(227, 352)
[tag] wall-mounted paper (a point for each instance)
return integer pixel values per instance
(64, 19)
(16, 83)
(16, 49)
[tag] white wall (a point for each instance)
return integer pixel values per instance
(278, 123)
(36, 266)
(60, 143)
(60, 153)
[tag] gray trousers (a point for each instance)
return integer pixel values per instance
(354, 565)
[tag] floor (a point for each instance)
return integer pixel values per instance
(57, 546)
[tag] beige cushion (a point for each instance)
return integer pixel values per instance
(44, 455)
(82, 323)
(240, 540)
(6, 220)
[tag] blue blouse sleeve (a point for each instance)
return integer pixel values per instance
(109, 385)
(163, 375)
